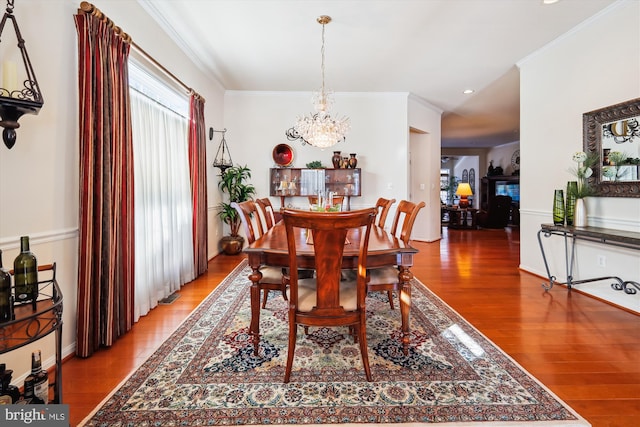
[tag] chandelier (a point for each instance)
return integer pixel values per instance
(320, 129)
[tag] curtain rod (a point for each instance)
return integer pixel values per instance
(88, 8)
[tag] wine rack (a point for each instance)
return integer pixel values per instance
(34, 321)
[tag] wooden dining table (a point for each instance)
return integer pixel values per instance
(384, 250)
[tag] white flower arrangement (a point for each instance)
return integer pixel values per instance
(609, 172)
(583, 172)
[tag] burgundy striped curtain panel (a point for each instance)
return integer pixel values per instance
(198, 169)
(106, 238)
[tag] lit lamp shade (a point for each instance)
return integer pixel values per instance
(464, 191)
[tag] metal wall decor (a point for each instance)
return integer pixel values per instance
(15, 100)
(223, 155)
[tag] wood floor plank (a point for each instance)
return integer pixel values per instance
(582, 349)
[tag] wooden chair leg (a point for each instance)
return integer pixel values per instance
(362, 333)
(293, 329)
(390, 295)
(265, 294)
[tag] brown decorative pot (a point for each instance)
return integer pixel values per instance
(231, 245)
(353, 161)
(336, 159)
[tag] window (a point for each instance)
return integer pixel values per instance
(163, 210)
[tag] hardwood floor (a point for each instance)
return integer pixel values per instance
(586, 351)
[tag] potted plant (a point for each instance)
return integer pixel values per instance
(234, 182)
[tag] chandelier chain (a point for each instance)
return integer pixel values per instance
(322, 65)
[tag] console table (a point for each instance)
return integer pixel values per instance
(605, 236)
(462, 217)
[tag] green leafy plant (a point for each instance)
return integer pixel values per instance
(316, 164)
(613, 172)
(234, 182)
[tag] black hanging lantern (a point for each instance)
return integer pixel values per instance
(223, 155)
(14, 99)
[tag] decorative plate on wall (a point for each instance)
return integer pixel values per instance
(515, 160)
(283, 155)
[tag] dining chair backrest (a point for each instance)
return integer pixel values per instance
(326, 300)
(268, 214)
(248, 213)
(382, 206)
(405, 217)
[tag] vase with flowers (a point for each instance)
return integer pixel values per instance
(582, 171)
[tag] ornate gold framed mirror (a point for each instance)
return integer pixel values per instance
(613, 134)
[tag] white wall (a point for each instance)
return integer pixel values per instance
(256, 122)
(594, 66)
(501, 156)
(39, 175)
(424, 167)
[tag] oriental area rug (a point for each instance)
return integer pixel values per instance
(206, 373)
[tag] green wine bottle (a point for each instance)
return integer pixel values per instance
(6, 304)
(25, 273)
(38, 381)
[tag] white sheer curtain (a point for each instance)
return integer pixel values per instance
(163, 211)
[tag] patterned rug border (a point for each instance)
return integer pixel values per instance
(228, 280)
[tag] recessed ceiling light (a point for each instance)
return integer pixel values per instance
(550, 1)
(468, 91)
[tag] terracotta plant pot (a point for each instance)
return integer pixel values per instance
(231, 245)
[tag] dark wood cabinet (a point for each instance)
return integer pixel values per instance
(302, 182)
(492, 186)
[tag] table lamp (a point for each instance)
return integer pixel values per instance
(464, 191)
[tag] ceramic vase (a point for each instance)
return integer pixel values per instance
(353, 162)
(558, 207)
(572, 189)
(580, 215)
(336, 159)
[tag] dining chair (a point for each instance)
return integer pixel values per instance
(273, 278)
(326, 300)
(267, 212)
(385, 279)
(383, 206)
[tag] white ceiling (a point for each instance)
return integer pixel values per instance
(433, 49)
